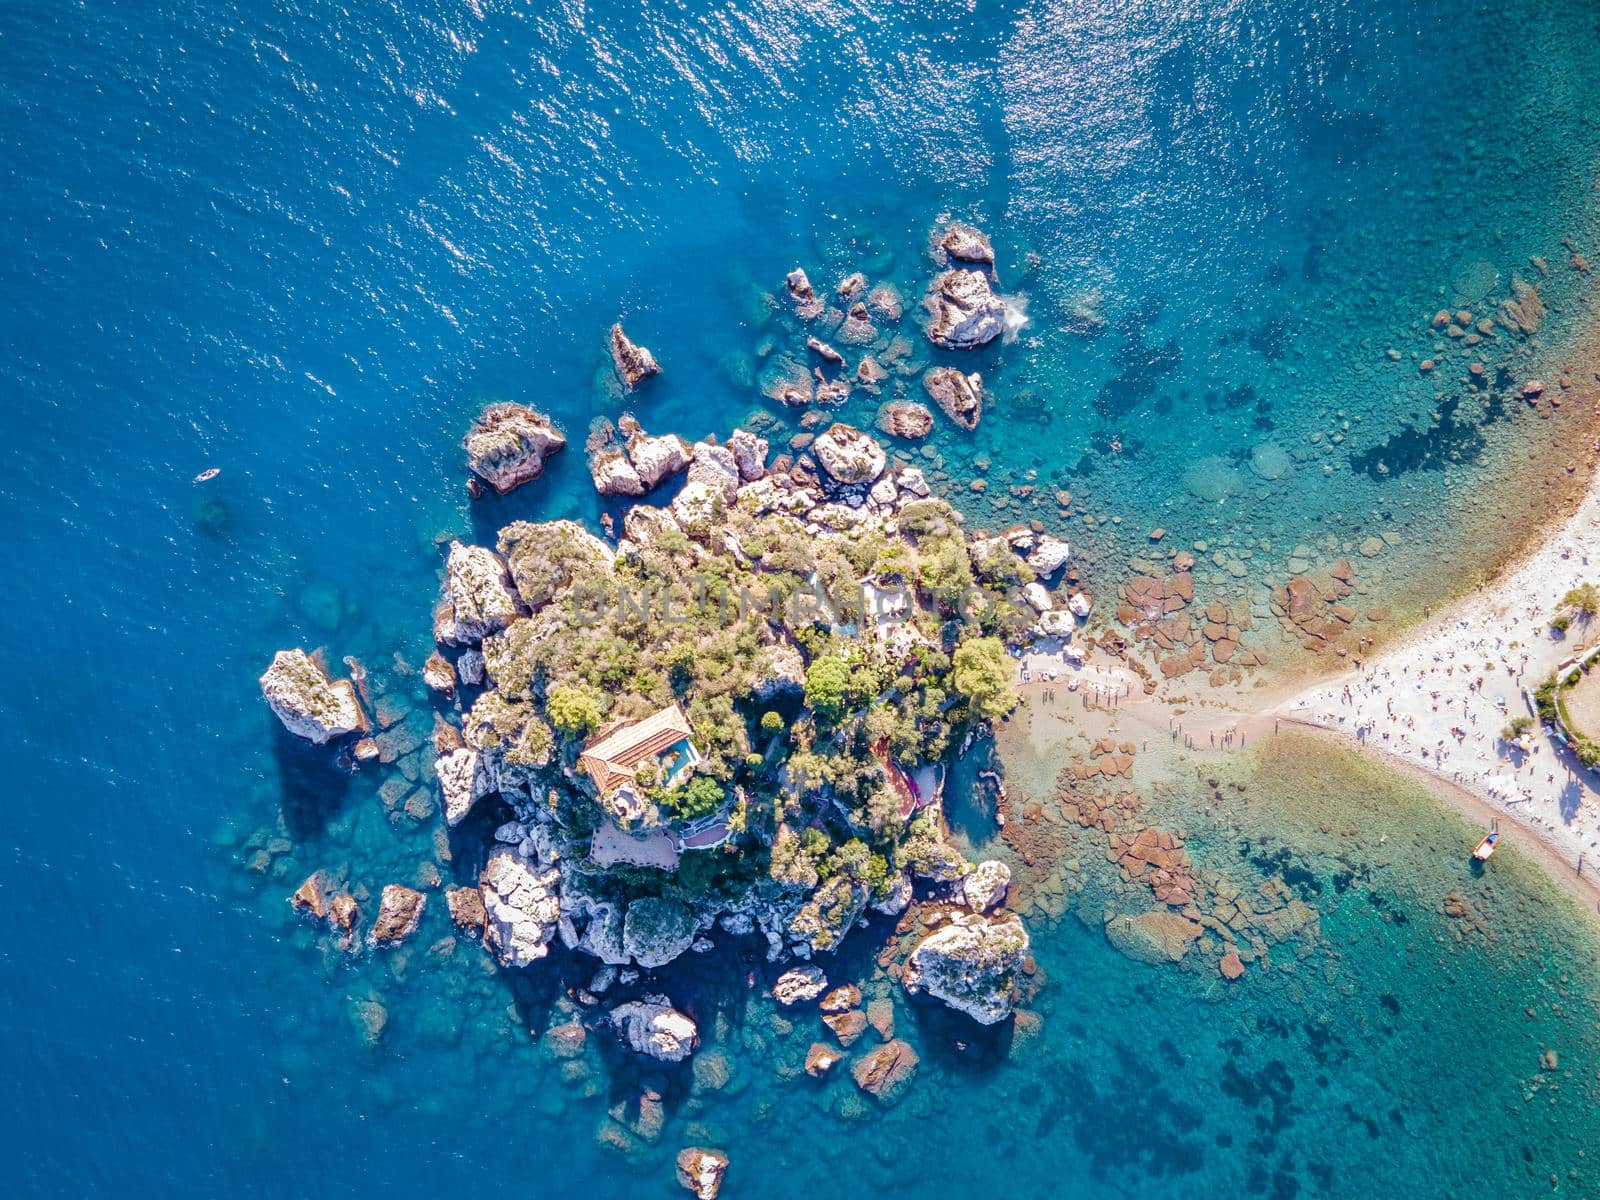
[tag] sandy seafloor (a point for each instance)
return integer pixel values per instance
(305, 245)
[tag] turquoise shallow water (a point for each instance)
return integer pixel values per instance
(304, 245)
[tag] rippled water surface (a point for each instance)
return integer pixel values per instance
(305, 243)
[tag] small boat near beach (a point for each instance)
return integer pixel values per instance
(1486, 847)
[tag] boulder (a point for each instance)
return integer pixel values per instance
(344, 913)
(613, 474)
(654, 1028)
(799, 985)
(911, 479)
(986, 886)
(970, 964)
(964, 311)
(886, 1073)
(806, 304)
(478, 598)
(439, 675)
(905, 419)
(701, 1171)
(656, 930)
(848, 455)
(857, 328)
(821, 1058)
(841, 999)
(1080, 604)
(884, 302)
(634, 363)
(749, 454)
(466, 909)
(959, 397)
(309, 704)
(399, 911)
(824, 351)
(655, 458)
(508, 444)
(847, 1026)
(963, 243)
(1049, 555)
(309, 897)
(521, 904)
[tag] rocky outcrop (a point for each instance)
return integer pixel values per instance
(701, 1171)
(824, 919)
(309, 704)
(905, 419)
(656, 930)
(963, 311)
(799, 985)
(1048, 555)
(824, 351)
(749, 454)
(986, 886)
(959, 397)
(965, 244)
(887, 1072)
(849, 456)
(634, 363)
(508, 444)
(654, 1028)
(970, 964)
(521, 904)
(399, 912)
(821, 1058)
(478, 599)
(857, 328)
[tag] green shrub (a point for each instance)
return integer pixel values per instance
(983, 673)
(574, 708)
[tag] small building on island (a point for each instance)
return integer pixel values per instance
(627, 759)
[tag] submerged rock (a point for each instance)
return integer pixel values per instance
(522, 905)
(848, 455)
(970, 964)
(964, 311)
(1157, 936)
(887, 1072)
(309, 704)
(959, 397)
(508, 444)
(399, 911)
(634, 363)
(654, 1028)
(821, 1058)
(701, 1171)
(806, 304)
(905, 419)
(478, 599)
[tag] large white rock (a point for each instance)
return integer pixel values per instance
(507, 445)
(799, 985)
(712, 486)
(964, 243)
(749, 454)
(965, 312)
(848, 455)
(478, 599)
(652, 1027)
(458, 783)
(522, 904)
(986, 886)
(614, 475)
(1049, 555)
(655, 458)
(309, 704)
(970, 964)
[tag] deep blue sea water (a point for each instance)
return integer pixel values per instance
(304, 243)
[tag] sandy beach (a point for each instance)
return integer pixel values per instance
(1439, 699)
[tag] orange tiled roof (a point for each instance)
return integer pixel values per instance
(612, 759)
